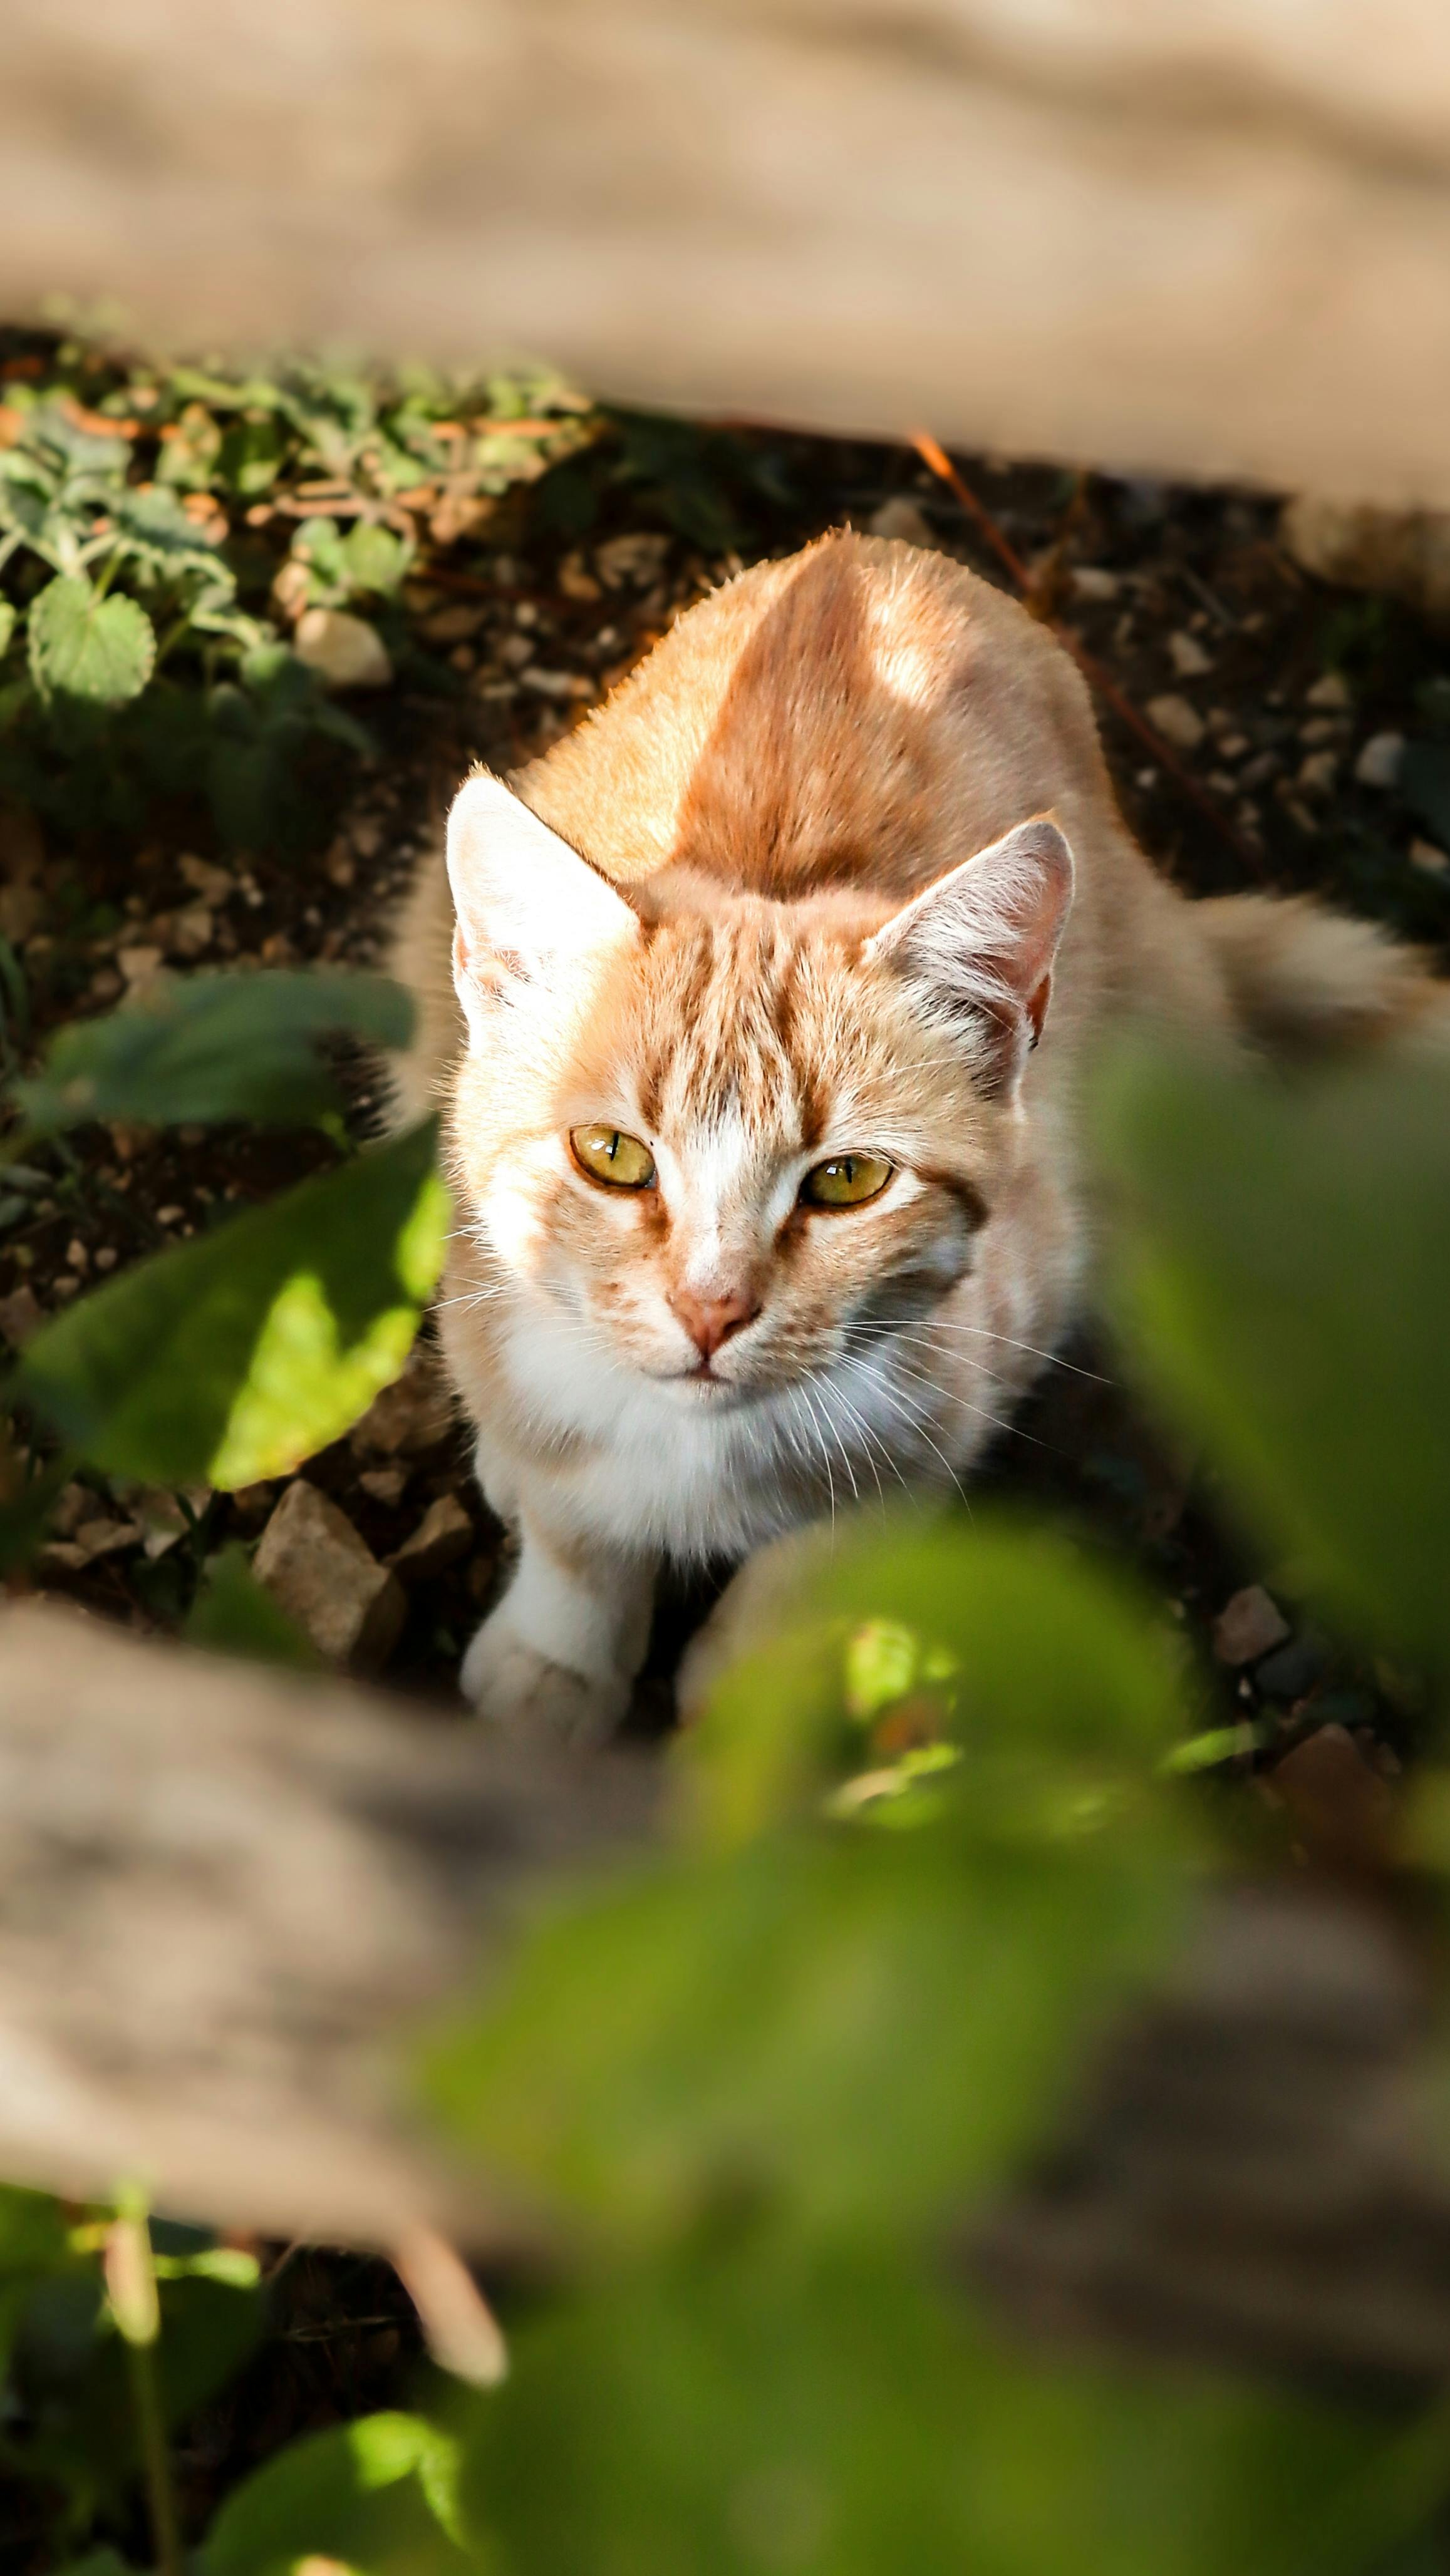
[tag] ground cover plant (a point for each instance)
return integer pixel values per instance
(929, 1842)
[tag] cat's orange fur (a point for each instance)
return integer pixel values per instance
(797, 964)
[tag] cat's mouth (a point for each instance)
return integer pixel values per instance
(706, 1386)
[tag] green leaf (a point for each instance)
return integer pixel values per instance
(1280, 1289)
(861, 2025)
(750, 2410)
(237, 1356)
(378, 2496)
(213, 1046)
(375, 560)
(251, 457)
(1033, 1648)
(7, 624)
(101, 651)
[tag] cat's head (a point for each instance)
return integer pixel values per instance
(726, 1134)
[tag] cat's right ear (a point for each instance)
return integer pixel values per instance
(527, 908)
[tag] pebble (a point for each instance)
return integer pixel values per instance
(1188, 656)
(560, 685)
(442, 1537)
(1332, 692)
(1178, 722)
(904, 521)
(312, 1561)
(190, 931)
(385, 1485)
(1379, 761)
(637, 558)
(345, 651)
(408, 1416)
(1094, 582)
(139, 964)
(1293, 1669)
(1318, 771)
(214, 885)
(1249, 1625)
(1430, 857)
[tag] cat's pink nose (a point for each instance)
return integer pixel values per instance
(709, 1321)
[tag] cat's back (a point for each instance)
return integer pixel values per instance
(863, 714)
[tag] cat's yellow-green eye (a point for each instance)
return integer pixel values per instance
(608, 1155)
(847, 1180)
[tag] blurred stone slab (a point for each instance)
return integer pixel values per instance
(1211, 239)
(227, 1897)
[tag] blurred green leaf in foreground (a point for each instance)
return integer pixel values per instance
(239, 1355)
(1280, 1286)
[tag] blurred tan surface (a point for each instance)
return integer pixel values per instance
(1208, 237)
(229, 1902)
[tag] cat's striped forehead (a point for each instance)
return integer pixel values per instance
(738, 1021)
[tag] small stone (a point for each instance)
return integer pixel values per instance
(1317, 772)
(459, 623)
(312, 1561)
(107, 1257)
(442, 1537)
(1379, 761)
(105, 1537)
(1176, 720)
(1292, 1670)
(903, 521)
(170, 1215)
(20, 1316)
(60, 1556)
(1233, 746)
(1188, 656)
(73, 1504)
(639, 558)
(1094, 583)
(191, 931)
(1331, 692)
(1428, 856)
(138, 965)
(385, 1485)
(1248, 1626)
(559, 685)
(343, 650)
(410, 1415)
(574, 581)
(159, 1519)
(76, 1255)
(214, 885)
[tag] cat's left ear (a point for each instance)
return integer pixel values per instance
(979, 945)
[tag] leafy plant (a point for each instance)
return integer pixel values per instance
(136, 608)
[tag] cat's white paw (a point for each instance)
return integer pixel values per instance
(512, 1684)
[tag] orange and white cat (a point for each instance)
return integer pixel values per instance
(757, 1016)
